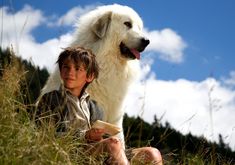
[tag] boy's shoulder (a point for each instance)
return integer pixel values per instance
(53, 98)
(52, 95)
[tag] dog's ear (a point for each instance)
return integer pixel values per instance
(101, 25)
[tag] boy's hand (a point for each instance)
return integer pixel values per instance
(94, 134)
(109, 128)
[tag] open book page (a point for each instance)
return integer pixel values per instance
(109, 128)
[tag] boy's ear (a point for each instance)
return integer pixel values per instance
(90, 78)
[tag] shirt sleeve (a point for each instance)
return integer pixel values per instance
(96, 111)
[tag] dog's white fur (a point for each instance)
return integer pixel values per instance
(102, 30)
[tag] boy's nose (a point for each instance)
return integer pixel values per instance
(71, 71)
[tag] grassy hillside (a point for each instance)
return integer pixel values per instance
(22, 143)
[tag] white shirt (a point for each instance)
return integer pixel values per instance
(78, 116)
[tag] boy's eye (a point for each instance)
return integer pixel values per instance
(80, 69)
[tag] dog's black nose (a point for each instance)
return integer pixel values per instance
(144, 43)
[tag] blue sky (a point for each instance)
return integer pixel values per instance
(197, 58)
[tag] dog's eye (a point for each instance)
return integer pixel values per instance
(128, 24)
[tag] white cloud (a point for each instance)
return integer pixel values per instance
(17, 33)
(17, 25)
(231, 80)
(167, 43)
(185, 105)
(17, 29)
(69, 18)
(46, 53)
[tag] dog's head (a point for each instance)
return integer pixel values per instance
(120, 26)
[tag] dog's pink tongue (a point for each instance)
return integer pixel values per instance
(136, 53)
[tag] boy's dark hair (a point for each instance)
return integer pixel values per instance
(80, 56)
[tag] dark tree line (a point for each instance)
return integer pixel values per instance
(173, 145)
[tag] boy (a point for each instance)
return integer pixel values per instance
(70, 109)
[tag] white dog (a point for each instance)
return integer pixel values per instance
(114, 34)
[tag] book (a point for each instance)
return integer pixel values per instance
(109, 128)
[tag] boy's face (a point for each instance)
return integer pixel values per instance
(74, 76)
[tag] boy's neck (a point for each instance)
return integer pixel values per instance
(75, 92)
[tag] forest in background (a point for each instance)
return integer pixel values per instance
(175, 147)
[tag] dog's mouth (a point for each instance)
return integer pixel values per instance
(129, 53)
(134, 53)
